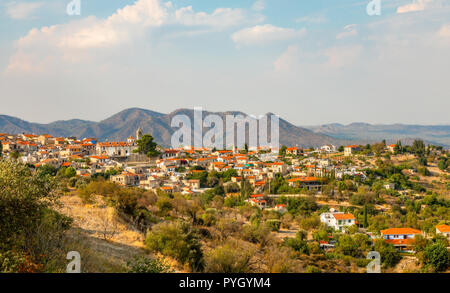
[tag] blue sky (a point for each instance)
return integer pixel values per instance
(311, 62)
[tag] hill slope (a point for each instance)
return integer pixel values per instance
(123, 124)
(436, 134)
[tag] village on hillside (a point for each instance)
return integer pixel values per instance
(334, 201)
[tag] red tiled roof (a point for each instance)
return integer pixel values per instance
(344, 216)
(443, 228)
(400, 231)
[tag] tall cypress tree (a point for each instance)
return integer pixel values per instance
(366, 222)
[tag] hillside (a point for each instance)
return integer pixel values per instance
(123, 124)
(435, 134)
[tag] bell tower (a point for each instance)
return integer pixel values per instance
(138, 133)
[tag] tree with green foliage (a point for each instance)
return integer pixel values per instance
(437, 256)
(273, 224)
(228, 259)
(398, 149)
(178, 240)
(70, 172)
(282, 151)
(302, 206)
(1, 149)
(28, 224)
(298, 243)
(14, 155)
(423, 161)
(348, 246)
(389, 254)
(47, 170)
(146, 146)
(366, 222)
(443, 163)
(418, 147)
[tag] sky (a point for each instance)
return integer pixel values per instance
(309, 61)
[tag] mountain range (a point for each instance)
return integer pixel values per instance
(125, 123)
(433, 134)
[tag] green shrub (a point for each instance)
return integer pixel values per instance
(273, 225)
(256, 233)
(389, 255)
(178, 240)
(313, 270)
(437, 256)
(145, 265)
(297, 244)
(228, 259)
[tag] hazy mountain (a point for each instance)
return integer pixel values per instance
(436, 134)
(124, 124)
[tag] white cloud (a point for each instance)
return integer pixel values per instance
(221, 17)
(311, 19)
(349, 31)
(73, 40)
(262, 34)
(417, 5)
(22, 10)
(288, 59)
(259, 5)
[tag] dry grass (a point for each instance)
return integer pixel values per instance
(105, 243)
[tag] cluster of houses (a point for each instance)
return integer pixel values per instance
(401, 238)
(169, 172)
(258, 166)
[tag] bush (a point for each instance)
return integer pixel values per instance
(208, 218)
(297, 244)
(178, 240)
(313, 270)
(310, 223)
(144, 265)
(348, 246)
(25, 196)
(437, 256)
(273, 225)
(256, 234)
(30, 230)
(165, 206)
(228, 259)
(389, 255)
(362, 262)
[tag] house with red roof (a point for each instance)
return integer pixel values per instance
(443, 230)
(401, 238)
(350, 149)
(337, 220)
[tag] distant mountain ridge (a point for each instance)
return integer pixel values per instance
(434, 134)
(125, 123)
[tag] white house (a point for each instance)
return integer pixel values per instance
(444, 230)
(350, 149)
(339, 221)
(328, 148)
(401, 238)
